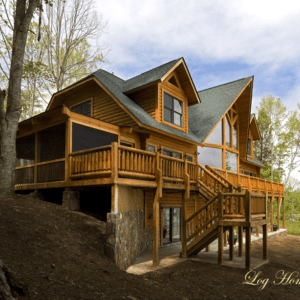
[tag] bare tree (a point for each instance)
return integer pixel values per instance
(69, 25)
(9, 118)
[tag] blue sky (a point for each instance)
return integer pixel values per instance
(221, 41)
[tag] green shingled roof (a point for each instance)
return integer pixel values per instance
(214, 103)
(255, 161)
(149, 76)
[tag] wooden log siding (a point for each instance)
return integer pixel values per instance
(90, 161)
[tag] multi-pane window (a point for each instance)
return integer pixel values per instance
(83, 108)
(216, 137)
(172, 153)
(151, 148)
(172, 110)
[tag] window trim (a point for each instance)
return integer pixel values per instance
(86, 100)
(180, 98)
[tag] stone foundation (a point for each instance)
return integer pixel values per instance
(71, 200)
(127, 237)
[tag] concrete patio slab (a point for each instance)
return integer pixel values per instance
(170, 256)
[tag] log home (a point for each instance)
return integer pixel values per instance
(161, 162)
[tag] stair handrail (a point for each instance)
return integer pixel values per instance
(201, 208)
(208, 220)
(212, 175)
(221, 176)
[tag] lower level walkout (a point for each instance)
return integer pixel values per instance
(170, 256)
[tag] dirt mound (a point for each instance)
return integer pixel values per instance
(57, 254)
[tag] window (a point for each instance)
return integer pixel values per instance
(210, 156)
(249, 148)
(250, 173)
(216, 137)
(151, 148)
(83, 108)
(189, 158)
(231, 161)
(127, 144)
(242, 171)
(172, 110)
(172, 153)
(84, 137)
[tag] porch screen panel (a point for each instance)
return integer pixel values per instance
(84, 137)
(52, 143)
(231, 161)
(216, 137)
(210, 156)
(25, 147)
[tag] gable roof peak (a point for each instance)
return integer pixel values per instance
(230, 82)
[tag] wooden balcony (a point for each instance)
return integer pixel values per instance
(114, 163)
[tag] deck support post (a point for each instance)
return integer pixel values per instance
(278, 203)
(271, 212)
(240, 241)
(220, 244)
(114, 198)
(265, 242)
(158, 196)
(283, 215)
(248, 247)
(185, 198)
(220, 228)
(231, 239)
(248, 229)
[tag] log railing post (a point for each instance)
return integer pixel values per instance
(114, 161)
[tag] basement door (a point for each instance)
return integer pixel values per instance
(171, 225)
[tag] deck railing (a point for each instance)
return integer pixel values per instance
(47, 171)
(254, 184)
(115, 160)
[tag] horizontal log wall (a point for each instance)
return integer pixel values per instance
(171, 200)
(104, 107)
(147, 99)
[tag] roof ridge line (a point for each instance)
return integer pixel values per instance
(152, 69)
(224, 84)
(109, 74)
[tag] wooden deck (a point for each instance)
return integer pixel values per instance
(115, 164)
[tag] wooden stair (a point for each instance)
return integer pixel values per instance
(204, 240)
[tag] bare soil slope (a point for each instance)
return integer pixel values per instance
(57, 254)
